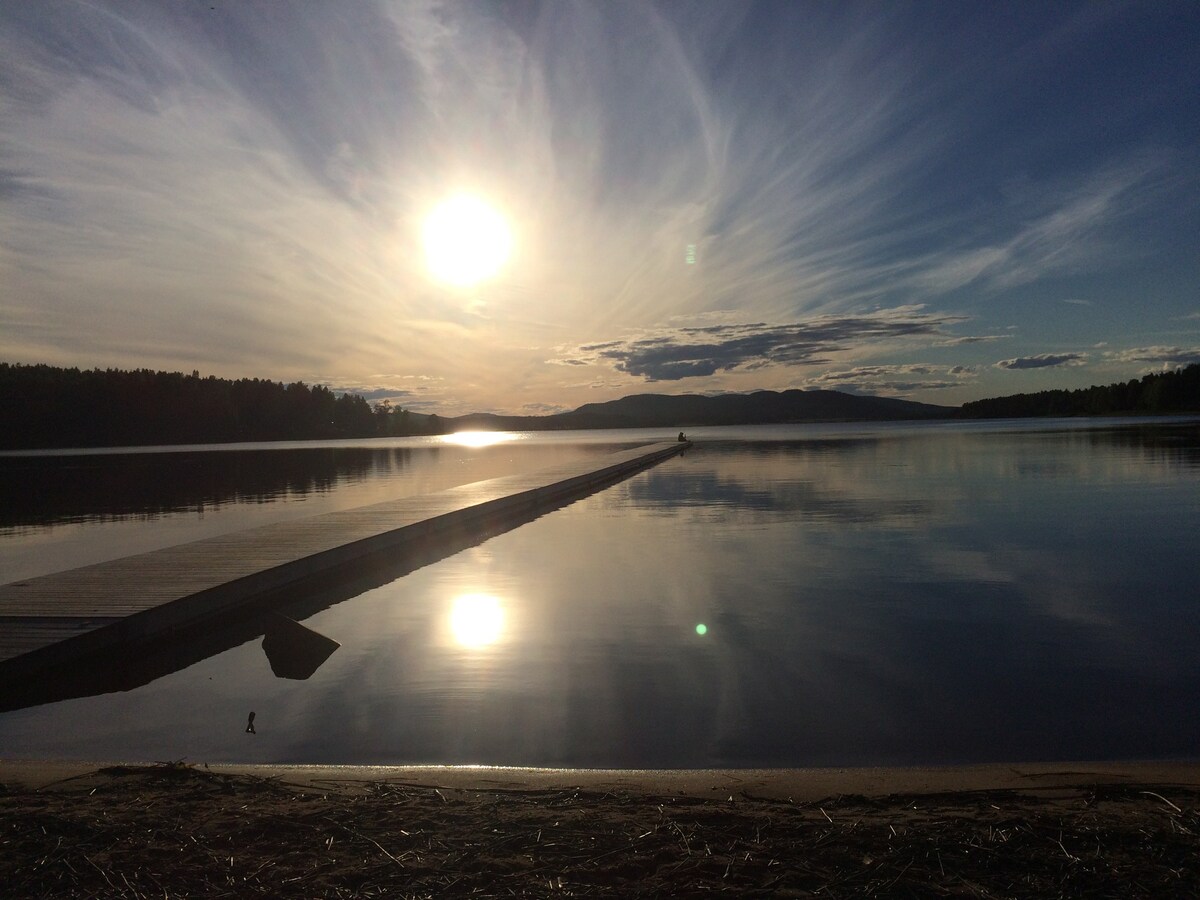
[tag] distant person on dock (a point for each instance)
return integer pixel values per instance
(681, 437)
(250, 725)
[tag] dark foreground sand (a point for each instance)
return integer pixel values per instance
(1107, 830)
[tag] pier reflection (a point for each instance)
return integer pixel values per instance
(478, 621)
(68, 510)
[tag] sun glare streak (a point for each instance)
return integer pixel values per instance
(477, 620)
(466, 241)
(479, 438)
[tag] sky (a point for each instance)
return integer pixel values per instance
(940, 201)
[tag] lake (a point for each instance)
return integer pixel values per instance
(827, 595)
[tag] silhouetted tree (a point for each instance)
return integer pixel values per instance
(1159, 392)
(47, 406)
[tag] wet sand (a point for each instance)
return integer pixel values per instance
(1083, 829)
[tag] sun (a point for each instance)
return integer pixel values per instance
(466, 241)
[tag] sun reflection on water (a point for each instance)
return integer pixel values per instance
(477, 620)
(479, 438)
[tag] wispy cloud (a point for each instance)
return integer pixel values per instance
(1170, 356)
(242, 188)
(371, 394)
(425, 392)
(1071, 230)
(893, 388)
(543, 409)
(1043, 361)
(974, 339)
(893, 379)
(859, 373)
(686, 352)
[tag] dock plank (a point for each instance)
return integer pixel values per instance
(47, 620)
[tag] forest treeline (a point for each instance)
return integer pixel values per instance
(1162, 392)
(48, 406)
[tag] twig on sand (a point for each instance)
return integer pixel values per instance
(1163, 799)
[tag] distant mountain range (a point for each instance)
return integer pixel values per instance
(688, 410)
(1171, 392)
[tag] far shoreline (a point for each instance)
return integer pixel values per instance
(1003, 423)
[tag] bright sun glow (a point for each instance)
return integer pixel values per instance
(466, 241)
(478, 438)
(477, 620)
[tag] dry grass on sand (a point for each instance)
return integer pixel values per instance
(176, 831)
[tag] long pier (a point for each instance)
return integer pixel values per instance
(58, 619)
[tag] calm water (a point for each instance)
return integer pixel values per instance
(779, 596)
(65, 509)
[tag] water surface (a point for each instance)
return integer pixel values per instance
(783, 596)
(64, 508)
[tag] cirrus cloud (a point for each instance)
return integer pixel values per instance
(973, 339)
(1171, 356)
(882, 379)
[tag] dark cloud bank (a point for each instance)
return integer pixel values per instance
(1041, 361)
(704, 350)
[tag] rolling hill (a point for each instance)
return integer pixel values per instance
(689, 410)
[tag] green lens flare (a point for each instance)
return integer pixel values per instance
(701, 628)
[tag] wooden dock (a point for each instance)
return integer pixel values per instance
(57, 619)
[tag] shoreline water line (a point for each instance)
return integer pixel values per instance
(182, 830)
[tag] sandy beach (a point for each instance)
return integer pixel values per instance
(1079, 830)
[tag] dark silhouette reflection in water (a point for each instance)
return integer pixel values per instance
(125, 671)
(67, 510)
(294, 651)
(289, 653)
(49, 490)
